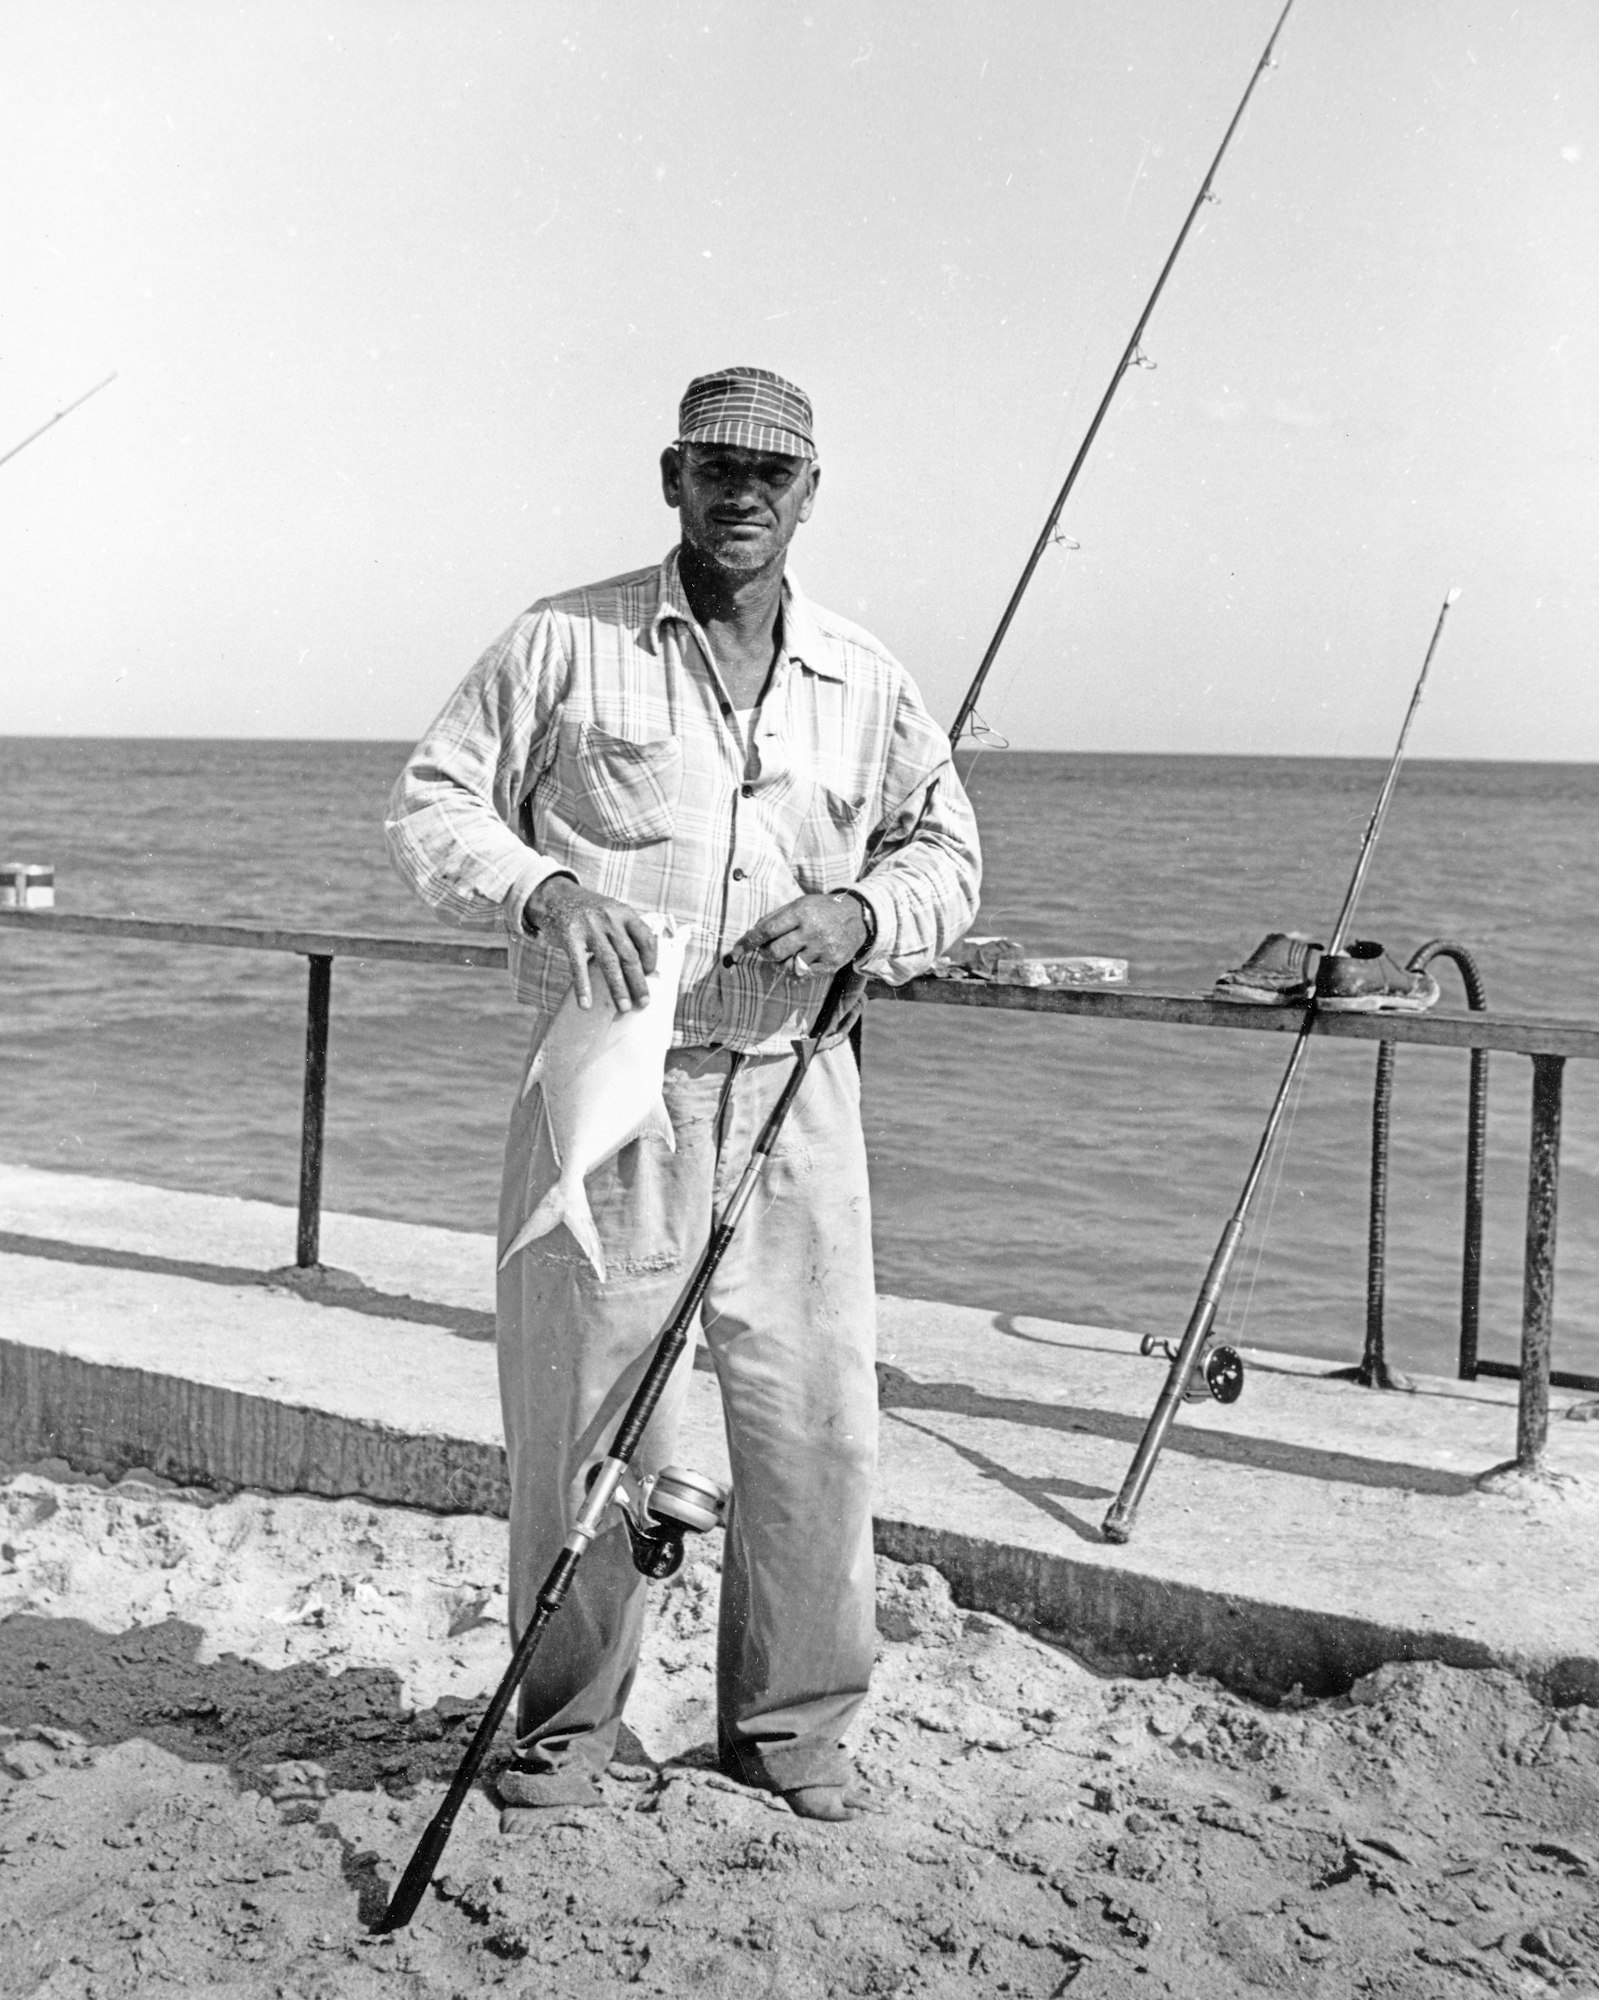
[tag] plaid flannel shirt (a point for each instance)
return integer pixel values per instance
(596, 739)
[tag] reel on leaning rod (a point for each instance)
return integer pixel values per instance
(660, 1508)
(1219, 1373)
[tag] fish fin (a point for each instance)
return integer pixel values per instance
(658, 1125)
(549, 1132)
(535, 1070)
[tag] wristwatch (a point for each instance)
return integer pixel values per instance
(868, 917)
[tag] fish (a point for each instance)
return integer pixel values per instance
(600, 1074)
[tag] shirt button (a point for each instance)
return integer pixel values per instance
(747, 791)
(727, 958)
(738, 874)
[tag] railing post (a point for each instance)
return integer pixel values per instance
(1538, 1283)
(318, 996)
(1471, 1234)
(1373, 1370)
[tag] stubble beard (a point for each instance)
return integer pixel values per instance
(735, 557)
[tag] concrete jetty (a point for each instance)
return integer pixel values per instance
(1301, 1536)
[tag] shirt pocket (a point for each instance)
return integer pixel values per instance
(624, 792)
(830, 844)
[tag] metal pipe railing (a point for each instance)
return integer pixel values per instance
(1538, 1271)
(313, 1116)
(1373, 1371)
(1441, 1028)
(1548, 1043)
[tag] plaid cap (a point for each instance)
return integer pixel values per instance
(751, 407)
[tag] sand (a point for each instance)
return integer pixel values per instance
(225, 1723)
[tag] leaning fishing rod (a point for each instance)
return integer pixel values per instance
(53, 421)
(678, 1500)
(1228, 1379)
(1132, 357)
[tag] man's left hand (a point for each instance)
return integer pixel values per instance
(810, 938)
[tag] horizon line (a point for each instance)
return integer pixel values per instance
(989, 750)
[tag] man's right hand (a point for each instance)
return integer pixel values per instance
(587, 926)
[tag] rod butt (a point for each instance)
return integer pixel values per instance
(413, 1884)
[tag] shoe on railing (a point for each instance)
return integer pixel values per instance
(1365, 980)
(1278, 972)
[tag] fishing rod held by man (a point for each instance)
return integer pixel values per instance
(671, 1502)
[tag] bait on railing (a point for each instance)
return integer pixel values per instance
(1549, 1044)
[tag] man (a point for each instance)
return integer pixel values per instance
(698, 739)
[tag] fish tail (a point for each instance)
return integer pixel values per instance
(550, 1211)
(568, 1205)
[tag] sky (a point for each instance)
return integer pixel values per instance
(401, 298)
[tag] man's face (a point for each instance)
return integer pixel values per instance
(739, 508)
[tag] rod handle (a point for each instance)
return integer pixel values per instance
(847, 984)
(1118, 1522)
(413, 1884)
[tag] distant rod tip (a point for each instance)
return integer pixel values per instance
(1454, 593)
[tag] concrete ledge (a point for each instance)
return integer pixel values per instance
(1125, 1623)
(1300, 1537)
(111, 1420)
(106, 1419)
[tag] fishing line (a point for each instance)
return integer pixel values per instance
(1238, 1316)
(724, 1107)
(981, 735)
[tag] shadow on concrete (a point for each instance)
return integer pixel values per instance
(351, 1295)
(898, 1391)
(1006, 1323)
(1259, 1358)
(148, 1682)
(1038, 1492)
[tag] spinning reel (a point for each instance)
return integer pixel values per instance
(1219, 1374)
(659, 1508)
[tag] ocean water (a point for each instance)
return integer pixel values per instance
(1061, 1167)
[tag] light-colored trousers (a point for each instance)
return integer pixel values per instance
(790, 1324)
